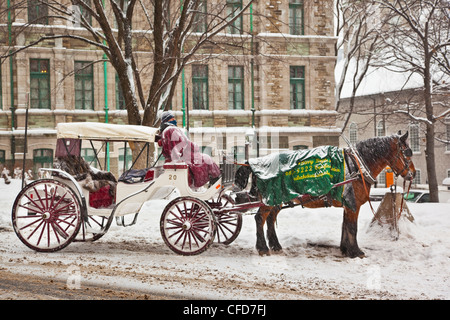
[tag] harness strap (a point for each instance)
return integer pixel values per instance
(365, 187)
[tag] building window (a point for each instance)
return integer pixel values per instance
(84, 85)
(380, 129)
(37, 12)
(382, 178)
(353, 133)
(125, 159)
(417, 178)
(88, 154)
(2, 157)
(233, 8)
(297, 81)
(120, 100)
(200, 87)
(414, 137)
(236, 88)
(238, 154)
(199, 24)
(296, 17)
(42, 158)
(81, 13)
(39, 84)
(207, 150)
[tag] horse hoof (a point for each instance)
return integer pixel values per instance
(263, 253)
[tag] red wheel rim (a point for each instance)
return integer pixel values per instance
(46, 215)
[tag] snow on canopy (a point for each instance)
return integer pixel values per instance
(106, 131)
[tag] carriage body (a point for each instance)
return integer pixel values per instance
(50, 213)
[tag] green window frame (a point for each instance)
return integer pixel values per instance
(296, 17)
(2, 157)
(233, 7)
(199, 24)
(37, 11)
(200, 87)
(84, 85)
(236, 87)
(86, 14)
(88, 154)
(127, 158)
(40, 83)
(42, 158)
(297, 90)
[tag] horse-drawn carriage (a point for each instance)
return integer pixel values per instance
(79, 203)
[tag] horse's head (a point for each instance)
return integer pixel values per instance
(401, 163)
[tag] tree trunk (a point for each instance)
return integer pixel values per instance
(429, 136)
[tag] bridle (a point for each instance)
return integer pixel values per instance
(404, 154)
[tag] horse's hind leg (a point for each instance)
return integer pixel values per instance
(274, 244)
(260, 219)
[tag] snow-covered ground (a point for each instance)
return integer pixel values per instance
(416, 266)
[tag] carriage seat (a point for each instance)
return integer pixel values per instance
(137, 175)
(100, 184)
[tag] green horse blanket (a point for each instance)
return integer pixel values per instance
(284, 176)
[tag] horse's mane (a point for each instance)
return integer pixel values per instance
(371, 150)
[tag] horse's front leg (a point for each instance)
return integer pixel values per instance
(274, 244)
(260, 219)
(349, 244)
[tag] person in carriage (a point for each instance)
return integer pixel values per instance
(176, 147)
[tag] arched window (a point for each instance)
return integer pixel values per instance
(414, 137)
(353, 132)
(380, 129)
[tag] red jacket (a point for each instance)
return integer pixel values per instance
(176, 147)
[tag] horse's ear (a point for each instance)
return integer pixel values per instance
(404, 137)
(399, 132)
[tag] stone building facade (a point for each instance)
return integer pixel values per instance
(377, 115)
(280, 97)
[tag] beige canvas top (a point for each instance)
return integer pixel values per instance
(105, 131)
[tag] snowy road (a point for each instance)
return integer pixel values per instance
(134, 263)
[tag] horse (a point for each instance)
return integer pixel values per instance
(375, 154)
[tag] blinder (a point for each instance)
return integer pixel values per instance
(407, 152)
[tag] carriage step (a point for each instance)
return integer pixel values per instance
(121, 221)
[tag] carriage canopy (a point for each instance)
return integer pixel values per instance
(106, 132)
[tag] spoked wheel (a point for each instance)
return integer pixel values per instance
(187, 226)
(46, 215)
(93, 229)
(229, 224)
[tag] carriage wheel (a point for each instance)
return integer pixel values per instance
(93, 229)
(229, 224)
(188, 226)
(46, 215)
